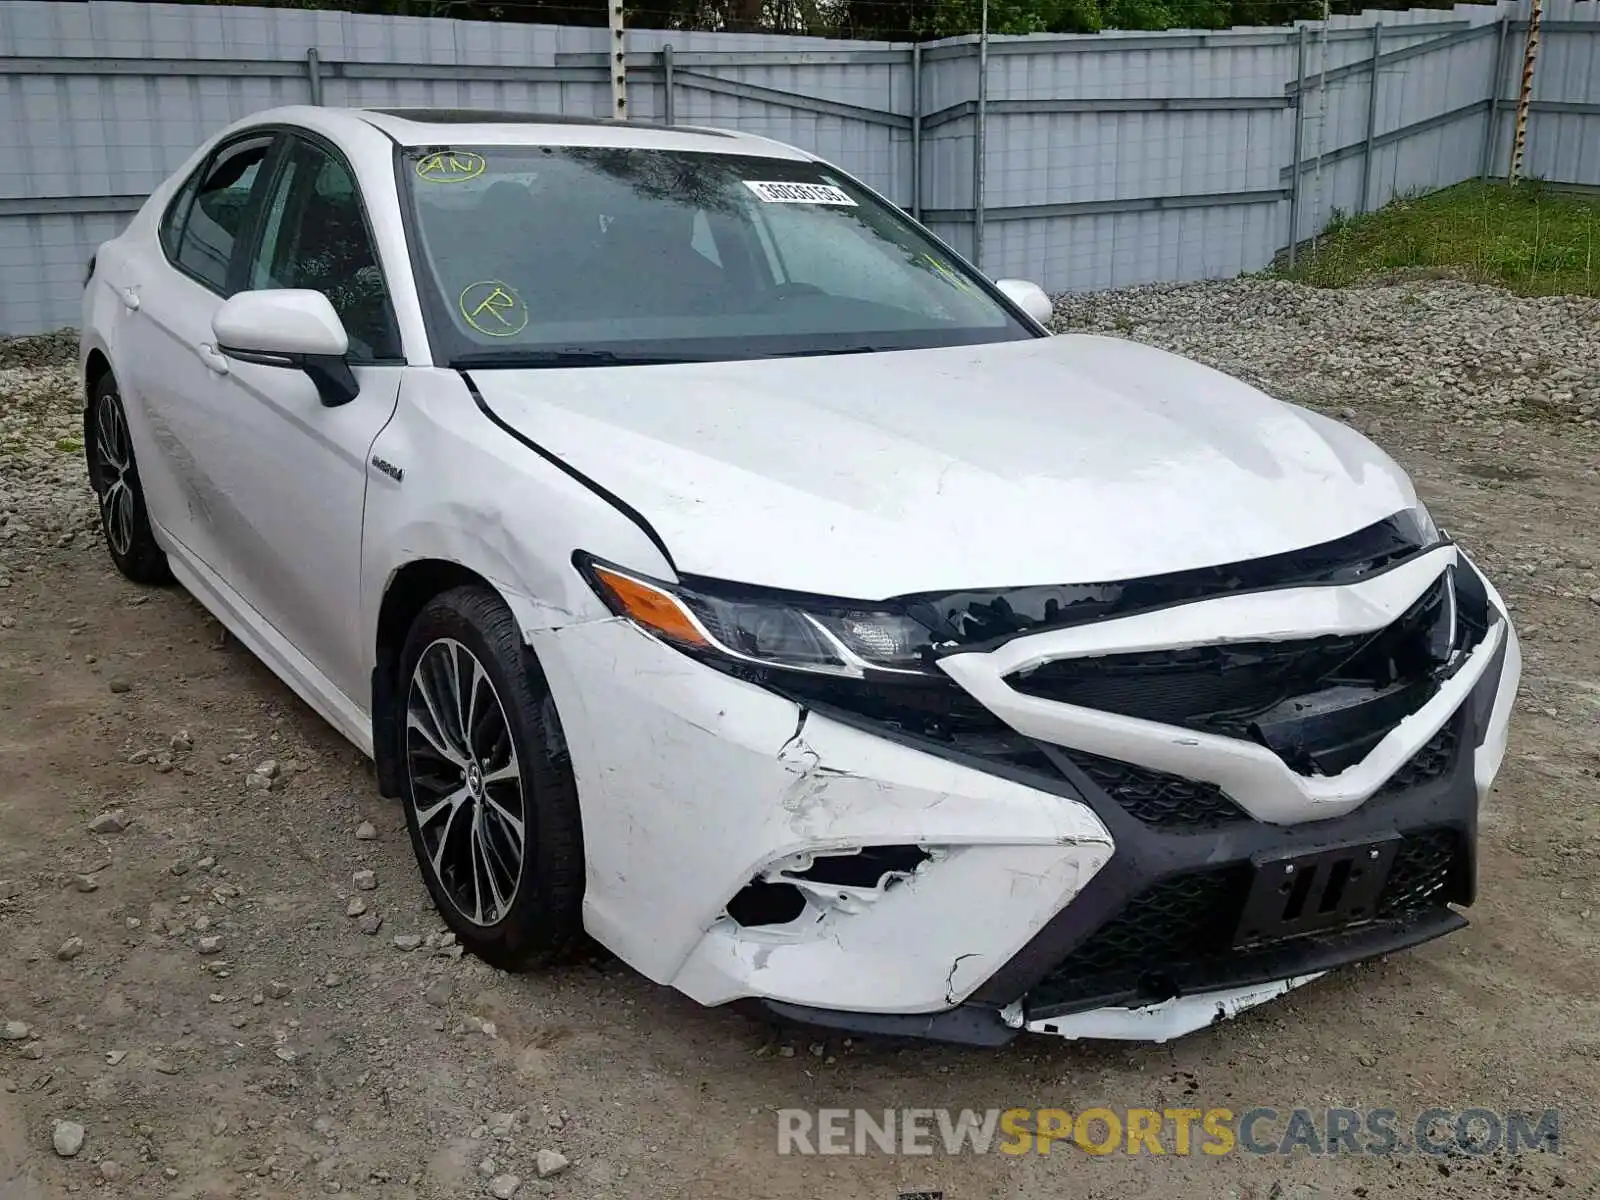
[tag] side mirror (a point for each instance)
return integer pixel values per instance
(289, 327)
(1029, 297)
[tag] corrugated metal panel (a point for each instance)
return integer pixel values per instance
(1565, 146)
(72, 137)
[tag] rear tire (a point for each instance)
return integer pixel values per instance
(114, 475)
(491, 802)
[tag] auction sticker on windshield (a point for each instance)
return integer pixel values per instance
(799, 193)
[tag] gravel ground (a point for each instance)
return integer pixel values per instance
(202, 994)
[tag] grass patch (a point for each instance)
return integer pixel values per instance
(1532, 239)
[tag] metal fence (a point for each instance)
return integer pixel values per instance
(1079, 161)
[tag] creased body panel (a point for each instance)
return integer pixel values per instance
(692, 782)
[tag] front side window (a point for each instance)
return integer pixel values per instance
(222, 205)
(537, 252)
(314, 235)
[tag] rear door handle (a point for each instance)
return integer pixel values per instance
(130, 299)
(214, 358)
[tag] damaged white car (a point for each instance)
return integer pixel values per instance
(711, 560)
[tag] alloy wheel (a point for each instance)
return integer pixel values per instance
(466, 782)
(114, 460)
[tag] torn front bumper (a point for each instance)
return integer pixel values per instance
(695, 784)
(1041, 898)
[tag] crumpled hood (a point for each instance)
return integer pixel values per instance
(1070, 459)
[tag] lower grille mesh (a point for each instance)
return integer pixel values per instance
(1423, 873)
(1431, 762)
(1163, 923)
(1190, 919)
(1157, 798)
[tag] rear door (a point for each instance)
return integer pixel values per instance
(171, 375)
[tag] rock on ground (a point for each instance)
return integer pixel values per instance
(68, 1138)
(551, 1162)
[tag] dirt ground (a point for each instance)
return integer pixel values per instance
(304, 1055)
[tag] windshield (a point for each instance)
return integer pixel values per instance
(566, 254)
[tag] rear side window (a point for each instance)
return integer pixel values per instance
(224, 203)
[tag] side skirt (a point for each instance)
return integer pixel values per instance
(270, 646)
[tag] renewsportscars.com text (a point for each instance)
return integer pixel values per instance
(1166, 1131)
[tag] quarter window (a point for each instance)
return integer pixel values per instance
(172, 222)
(222, 206)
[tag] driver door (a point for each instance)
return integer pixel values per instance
(298, 470)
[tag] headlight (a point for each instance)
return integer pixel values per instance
(819, 637)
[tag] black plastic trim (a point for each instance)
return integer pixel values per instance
(1308, 955)
(385, 726)
(566, 468)
(966, 1024)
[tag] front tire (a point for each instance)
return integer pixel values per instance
(491, 803)
(114, 475)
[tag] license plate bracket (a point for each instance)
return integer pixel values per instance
(1308, 890)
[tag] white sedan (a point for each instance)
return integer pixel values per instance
(712, 561)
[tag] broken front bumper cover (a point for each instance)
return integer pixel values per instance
(1154, 1021)
(1045, 904)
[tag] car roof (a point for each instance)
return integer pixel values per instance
(497, 127)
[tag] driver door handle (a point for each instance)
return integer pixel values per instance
(213, 358)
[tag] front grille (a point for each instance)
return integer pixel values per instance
(1157, 798)
(1188, 922)
(1319, 703)
(1431, 762)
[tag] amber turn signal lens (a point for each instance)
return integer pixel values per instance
(651, 607)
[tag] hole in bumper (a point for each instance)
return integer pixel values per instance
(843, 880)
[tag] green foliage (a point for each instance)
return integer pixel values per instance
(1532, 238)
(898, 20)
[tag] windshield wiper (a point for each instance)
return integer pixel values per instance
(574, 356)
(838, 350)
(579, 356)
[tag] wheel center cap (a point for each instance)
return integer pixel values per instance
(474, 779)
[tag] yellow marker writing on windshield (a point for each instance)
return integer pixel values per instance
(945, 270)
(450, 166)
(493, 308)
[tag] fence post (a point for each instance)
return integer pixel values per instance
(1299, 132)
(619, 62)
(916, 131)
(978, 156)
(670, 111)
(1491, 134)
(314, 75)
(1530, 58)
(1372, 118)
